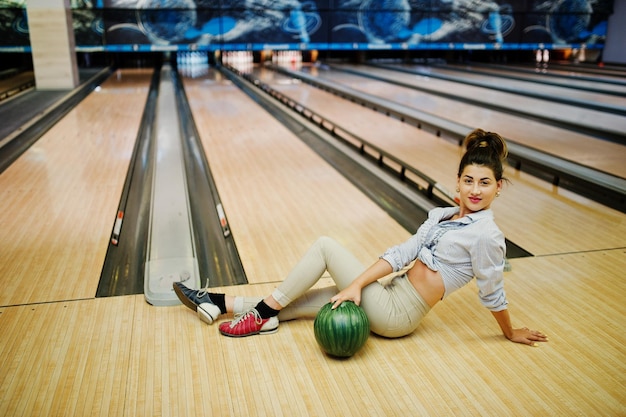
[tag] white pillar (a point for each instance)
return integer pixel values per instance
(52, 43)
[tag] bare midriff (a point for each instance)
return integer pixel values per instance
(428, 283)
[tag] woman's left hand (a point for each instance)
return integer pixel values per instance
(528, 336)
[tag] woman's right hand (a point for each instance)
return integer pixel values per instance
(351, 293)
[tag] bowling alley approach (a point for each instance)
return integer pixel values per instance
(312, 208)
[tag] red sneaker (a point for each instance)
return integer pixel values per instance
(248, 324)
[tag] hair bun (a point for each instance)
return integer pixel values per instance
(479, 139)
(484, 148)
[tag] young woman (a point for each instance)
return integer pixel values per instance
(454, 245)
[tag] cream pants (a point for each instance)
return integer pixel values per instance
(394, 308)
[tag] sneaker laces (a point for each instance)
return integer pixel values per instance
(243, 316)
(204, 291)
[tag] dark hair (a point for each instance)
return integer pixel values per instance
(484, 148)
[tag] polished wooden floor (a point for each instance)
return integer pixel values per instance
(65, 352)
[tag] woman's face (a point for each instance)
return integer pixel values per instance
(477, 188)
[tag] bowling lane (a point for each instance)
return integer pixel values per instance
(607, 73)
(564, 81)
(279, 196)
(10, 85)
(595, 153)
(59, 199)
(555, 111)
(543, 108)
(528, 85)
(539, 217)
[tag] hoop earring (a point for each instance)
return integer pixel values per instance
(498, 194)
(457, 190)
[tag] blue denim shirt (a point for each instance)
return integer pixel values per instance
(461, 249)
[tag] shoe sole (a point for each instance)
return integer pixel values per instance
(186, 301)
(260, 332)
(208, 312)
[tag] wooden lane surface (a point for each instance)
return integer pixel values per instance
(577, 71)
(539, 76)
(120, 356)
(60, 198)
(553, 110)
(527, 85)
(279, 196)
(595, 153)
(539, 217)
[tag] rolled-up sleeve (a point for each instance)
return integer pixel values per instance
(488, 258)
(403, 254)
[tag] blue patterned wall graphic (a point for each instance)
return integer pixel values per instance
(323, 24)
